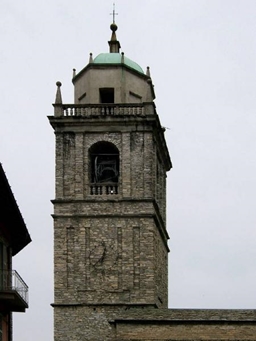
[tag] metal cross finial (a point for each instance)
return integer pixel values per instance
(114, 13)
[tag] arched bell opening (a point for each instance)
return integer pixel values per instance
(104, 168)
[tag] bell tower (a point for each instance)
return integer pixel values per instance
(110, 238)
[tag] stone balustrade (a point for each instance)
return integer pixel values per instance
(103, 189)
(83, 110)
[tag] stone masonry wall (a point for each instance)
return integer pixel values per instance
(108, 249)
(109, 260)
(82, 324)
(98, 323)
(139, 167)
(187, 331)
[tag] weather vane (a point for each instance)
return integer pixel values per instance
(114, 13)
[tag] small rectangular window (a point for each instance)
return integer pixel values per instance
(107, 95)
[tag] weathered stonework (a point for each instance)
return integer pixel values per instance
(109, 260)
(110, 238)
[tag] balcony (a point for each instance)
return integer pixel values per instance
(13, 292)
(96, 110)
(104, 189)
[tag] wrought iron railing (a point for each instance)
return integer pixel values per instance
(103, 188)
(10, 280)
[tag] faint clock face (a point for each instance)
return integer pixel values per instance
(103, 260)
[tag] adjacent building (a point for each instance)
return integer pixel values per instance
(14, 237)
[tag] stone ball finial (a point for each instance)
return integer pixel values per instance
(58, 84)
(113, 27)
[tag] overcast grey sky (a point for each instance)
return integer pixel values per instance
(202, 56)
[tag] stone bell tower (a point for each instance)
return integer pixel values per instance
(110, 238)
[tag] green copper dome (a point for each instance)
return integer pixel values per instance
(116, 58)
